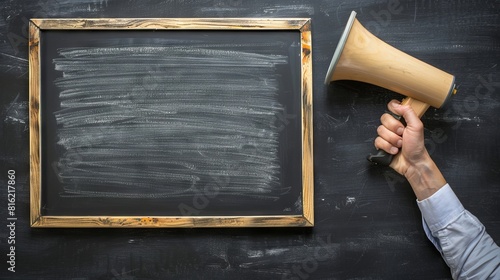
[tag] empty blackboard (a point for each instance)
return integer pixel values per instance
(171, 122)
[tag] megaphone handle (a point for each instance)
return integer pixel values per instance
(381, 157)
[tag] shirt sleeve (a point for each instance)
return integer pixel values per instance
(459, 236)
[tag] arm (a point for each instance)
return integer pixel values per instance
(459, 236)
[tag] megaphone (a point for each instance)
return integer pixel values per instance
(361, 56)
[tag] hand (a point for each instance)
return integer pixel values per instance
(414, 162)
(394, 136)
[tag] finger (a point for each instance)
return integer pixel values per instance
(390, 136)
(380, 143)
(394, 106)
(413, 122)
(392, 124)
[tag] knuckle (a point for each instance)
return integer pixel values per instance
(419, 126)
(379, 143)
(380, 129)
(385, 118)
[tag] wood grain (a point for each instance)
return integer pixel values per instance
(170, 222)
(307, 125)
(173, 23)
(34, 122)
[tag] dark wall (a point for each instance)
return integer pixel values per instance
(367, 223)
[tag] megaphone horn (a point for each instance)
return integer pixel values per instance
(361, 56)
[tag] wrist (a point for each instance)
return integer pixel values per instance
(424, 177)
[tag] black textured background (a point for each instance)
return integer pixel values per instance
(367, 223)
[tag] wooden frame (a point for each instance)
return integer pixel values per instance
(39, 220)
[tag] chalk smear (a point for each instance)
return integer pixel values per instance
(147, 122)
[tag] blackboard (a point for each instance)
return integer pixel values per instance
(175, 123)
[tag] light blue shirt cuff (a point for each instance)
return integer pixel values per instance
(440, 209)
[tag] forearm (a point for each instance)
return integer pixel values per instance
(424, 177)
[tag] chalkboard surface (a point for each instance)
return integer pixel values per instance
(171, 123)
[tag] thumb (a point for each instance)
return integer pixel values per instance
(411, 118)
